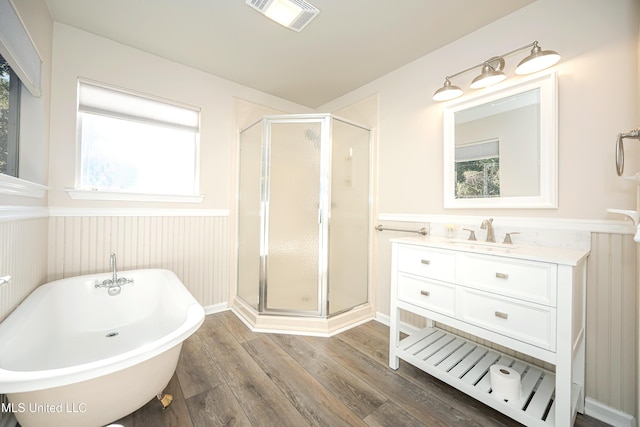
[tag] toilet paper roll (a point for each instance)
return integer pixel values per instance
(505, 383)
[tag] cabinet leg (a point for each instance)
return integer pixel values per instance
(394, 362)
(394, 337)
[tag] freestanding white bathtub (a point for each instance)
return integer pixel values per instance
(73, 355)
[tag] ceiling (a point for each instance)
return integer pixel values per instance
(350, 43)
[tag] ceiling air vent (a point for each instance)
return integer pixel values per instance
(293, 14)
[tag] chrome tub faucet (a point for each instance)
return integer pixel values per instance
(114, 267)
(114, 284)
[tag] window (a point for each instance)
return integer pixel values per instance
(135, 144)
(10, 87)
(478, 170)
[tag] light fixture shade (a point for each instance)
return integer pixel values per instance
(447, 92)
(488, 77)
(293, 14)
(538, 60)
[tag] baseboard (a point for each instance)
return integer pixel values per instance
(607, 414)
(216, 308)
(383, 318)
(404, 327)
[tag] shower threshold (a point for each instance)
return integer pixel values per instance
(302, 325)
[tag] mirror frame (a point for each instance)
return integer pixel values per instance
(547, 83)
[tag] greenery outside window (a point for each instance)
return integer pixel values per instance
(477, 169)
(10, 87)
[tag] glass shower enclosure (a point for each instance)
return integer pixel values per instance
(304, 215)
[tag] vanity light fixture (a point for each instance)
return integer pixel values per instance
(492, 70)
(490, 74)
(292, 14)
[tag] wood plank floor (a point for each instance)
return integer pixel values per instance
(230, 376)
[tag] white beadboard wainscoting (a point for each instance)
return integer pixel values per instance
(612, 324)
(23, 255)
(193, 244)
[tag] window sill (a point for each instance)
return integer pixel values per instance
(76, 194)
(12, 186)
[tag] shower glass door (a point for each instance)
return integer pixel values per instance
(350, 209)
(292, 254)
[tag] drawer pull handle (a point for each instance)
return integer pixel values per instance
(425, 293)
(502, 276)
(501, 315)
(425, 261)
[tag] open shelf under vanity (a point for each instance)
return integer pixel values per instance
(465, 364)
(527, 300)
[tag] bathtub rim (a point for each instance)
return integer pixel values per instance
(25, 381)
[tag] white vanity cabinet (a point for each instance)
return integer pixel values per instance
(529, 299)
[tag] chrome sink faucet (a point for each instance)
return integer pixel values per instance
(487, 224)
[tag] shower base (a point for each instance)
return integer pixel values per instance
(302, 325)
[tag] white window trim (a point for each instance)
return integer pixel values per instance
(12, 186)
(17, 47)
(78, 194)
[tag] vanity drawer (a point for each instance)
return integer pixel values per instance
(527, 280)
(427, 262)
(531, 323)
(428, 294)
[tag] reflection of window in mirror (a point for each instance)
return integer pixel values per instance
(478, 169)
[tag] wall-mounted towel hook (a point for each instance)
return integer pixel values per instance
(634, 134)
(4, 280)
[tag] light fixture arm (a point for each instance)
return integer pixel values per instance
(463, 71)
(492, 70)
(499, 58)
(534, 44)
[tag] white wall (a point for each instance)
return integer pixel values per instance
(79, 239)
(597, 99)
(80, 54)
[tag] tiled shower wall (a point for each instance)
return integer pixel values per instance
(193, 247)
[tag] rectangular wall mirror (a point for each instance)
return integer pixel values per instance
(500, 148)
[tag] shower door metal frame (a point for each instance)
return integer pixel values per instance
(370, 212)
(323, 211)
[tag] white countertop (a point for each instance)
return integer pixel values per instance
(532, 253)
